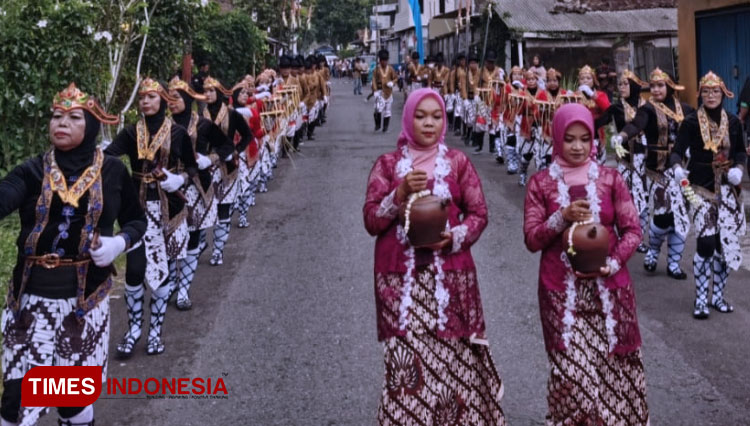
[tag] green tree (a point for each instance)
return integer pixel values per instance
(231, 43)
(336, 22)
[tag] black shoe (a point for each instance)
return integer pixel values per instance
(679, 275)
(500, 160)
(642, 248)
(649, 267)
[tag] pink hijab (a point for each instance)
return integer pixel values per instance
(567, 115)
(423, 157)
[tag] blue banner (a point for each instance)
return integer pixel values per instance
(417, 16)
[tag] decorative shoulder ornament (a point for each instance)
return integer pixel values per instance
(712, 138)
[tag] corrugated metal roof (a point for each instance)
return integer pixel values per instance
(525, 16)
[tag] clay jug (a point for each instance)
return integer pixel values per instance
(427, 220)
(591, 247)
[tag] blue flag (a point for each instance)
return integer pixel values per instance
(417, 16)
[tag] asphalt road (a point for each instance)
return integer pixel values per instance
(288, 322)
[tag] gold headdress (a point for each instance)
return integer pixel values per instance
(212, 83)
(72, 98)
(149, 85)
(243, 84)
(553, 73)
(590, 71)
(177, 84)
(634, 78)
(517, 69)
(657, 75)
(713, 80)
(586, 70)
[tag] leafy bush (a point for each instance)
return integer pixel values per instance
(231, 43)
(45, 45)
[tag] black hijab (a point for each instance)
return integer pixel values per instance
(216, 106)
(73, 162)
(154, 122)
(235, 98)
(635, 93)
(183, 118)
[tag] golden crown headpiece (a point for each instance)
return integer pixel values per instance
(630, 75)
(713, 80)
(212, 83)
(554, 74)
(178, 84)
(149, 85)
(516, 69)
(586, 70)
(72, 98)
(657, 75)
(243, 84)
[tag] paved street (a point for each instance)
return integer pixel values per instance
(289, 320)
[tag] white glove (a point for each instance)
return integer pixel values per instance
(172, 183)
(110, 248)
(586, 89)
(680, 174)
(734, 176)
(203, 162)
(229, 158)
(419, 78)
(615, 141)
(517, 84)
(390, 84)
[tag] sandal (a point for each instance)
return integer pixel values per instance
(216, 260)
(126, 346)
(155, 347)
(722, 306)
(700, 311)
(184, 304)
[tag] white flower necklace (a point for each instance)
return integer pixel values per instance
(563, 199)
(440, 189)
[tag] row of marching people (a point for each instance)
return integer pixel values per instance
(683, 166)
(191, 172)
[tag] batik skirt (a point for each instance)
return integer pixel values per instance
(46, 332)
(587, 384)
(435, 381)
(722, 214)
(201, 205)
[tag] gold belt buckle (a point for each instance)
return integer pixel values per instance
(49, 261)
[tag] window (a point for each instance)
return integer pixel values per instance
(442, 7)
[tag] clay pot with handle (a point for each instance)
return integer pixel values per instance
(590, 246)
(427, 219)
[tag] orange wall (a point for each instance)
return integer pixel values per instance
(688, 47)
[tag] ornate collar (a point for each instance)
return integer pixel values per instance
(78, 189)
(712, 139)
(148, 146)
(675, 115)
